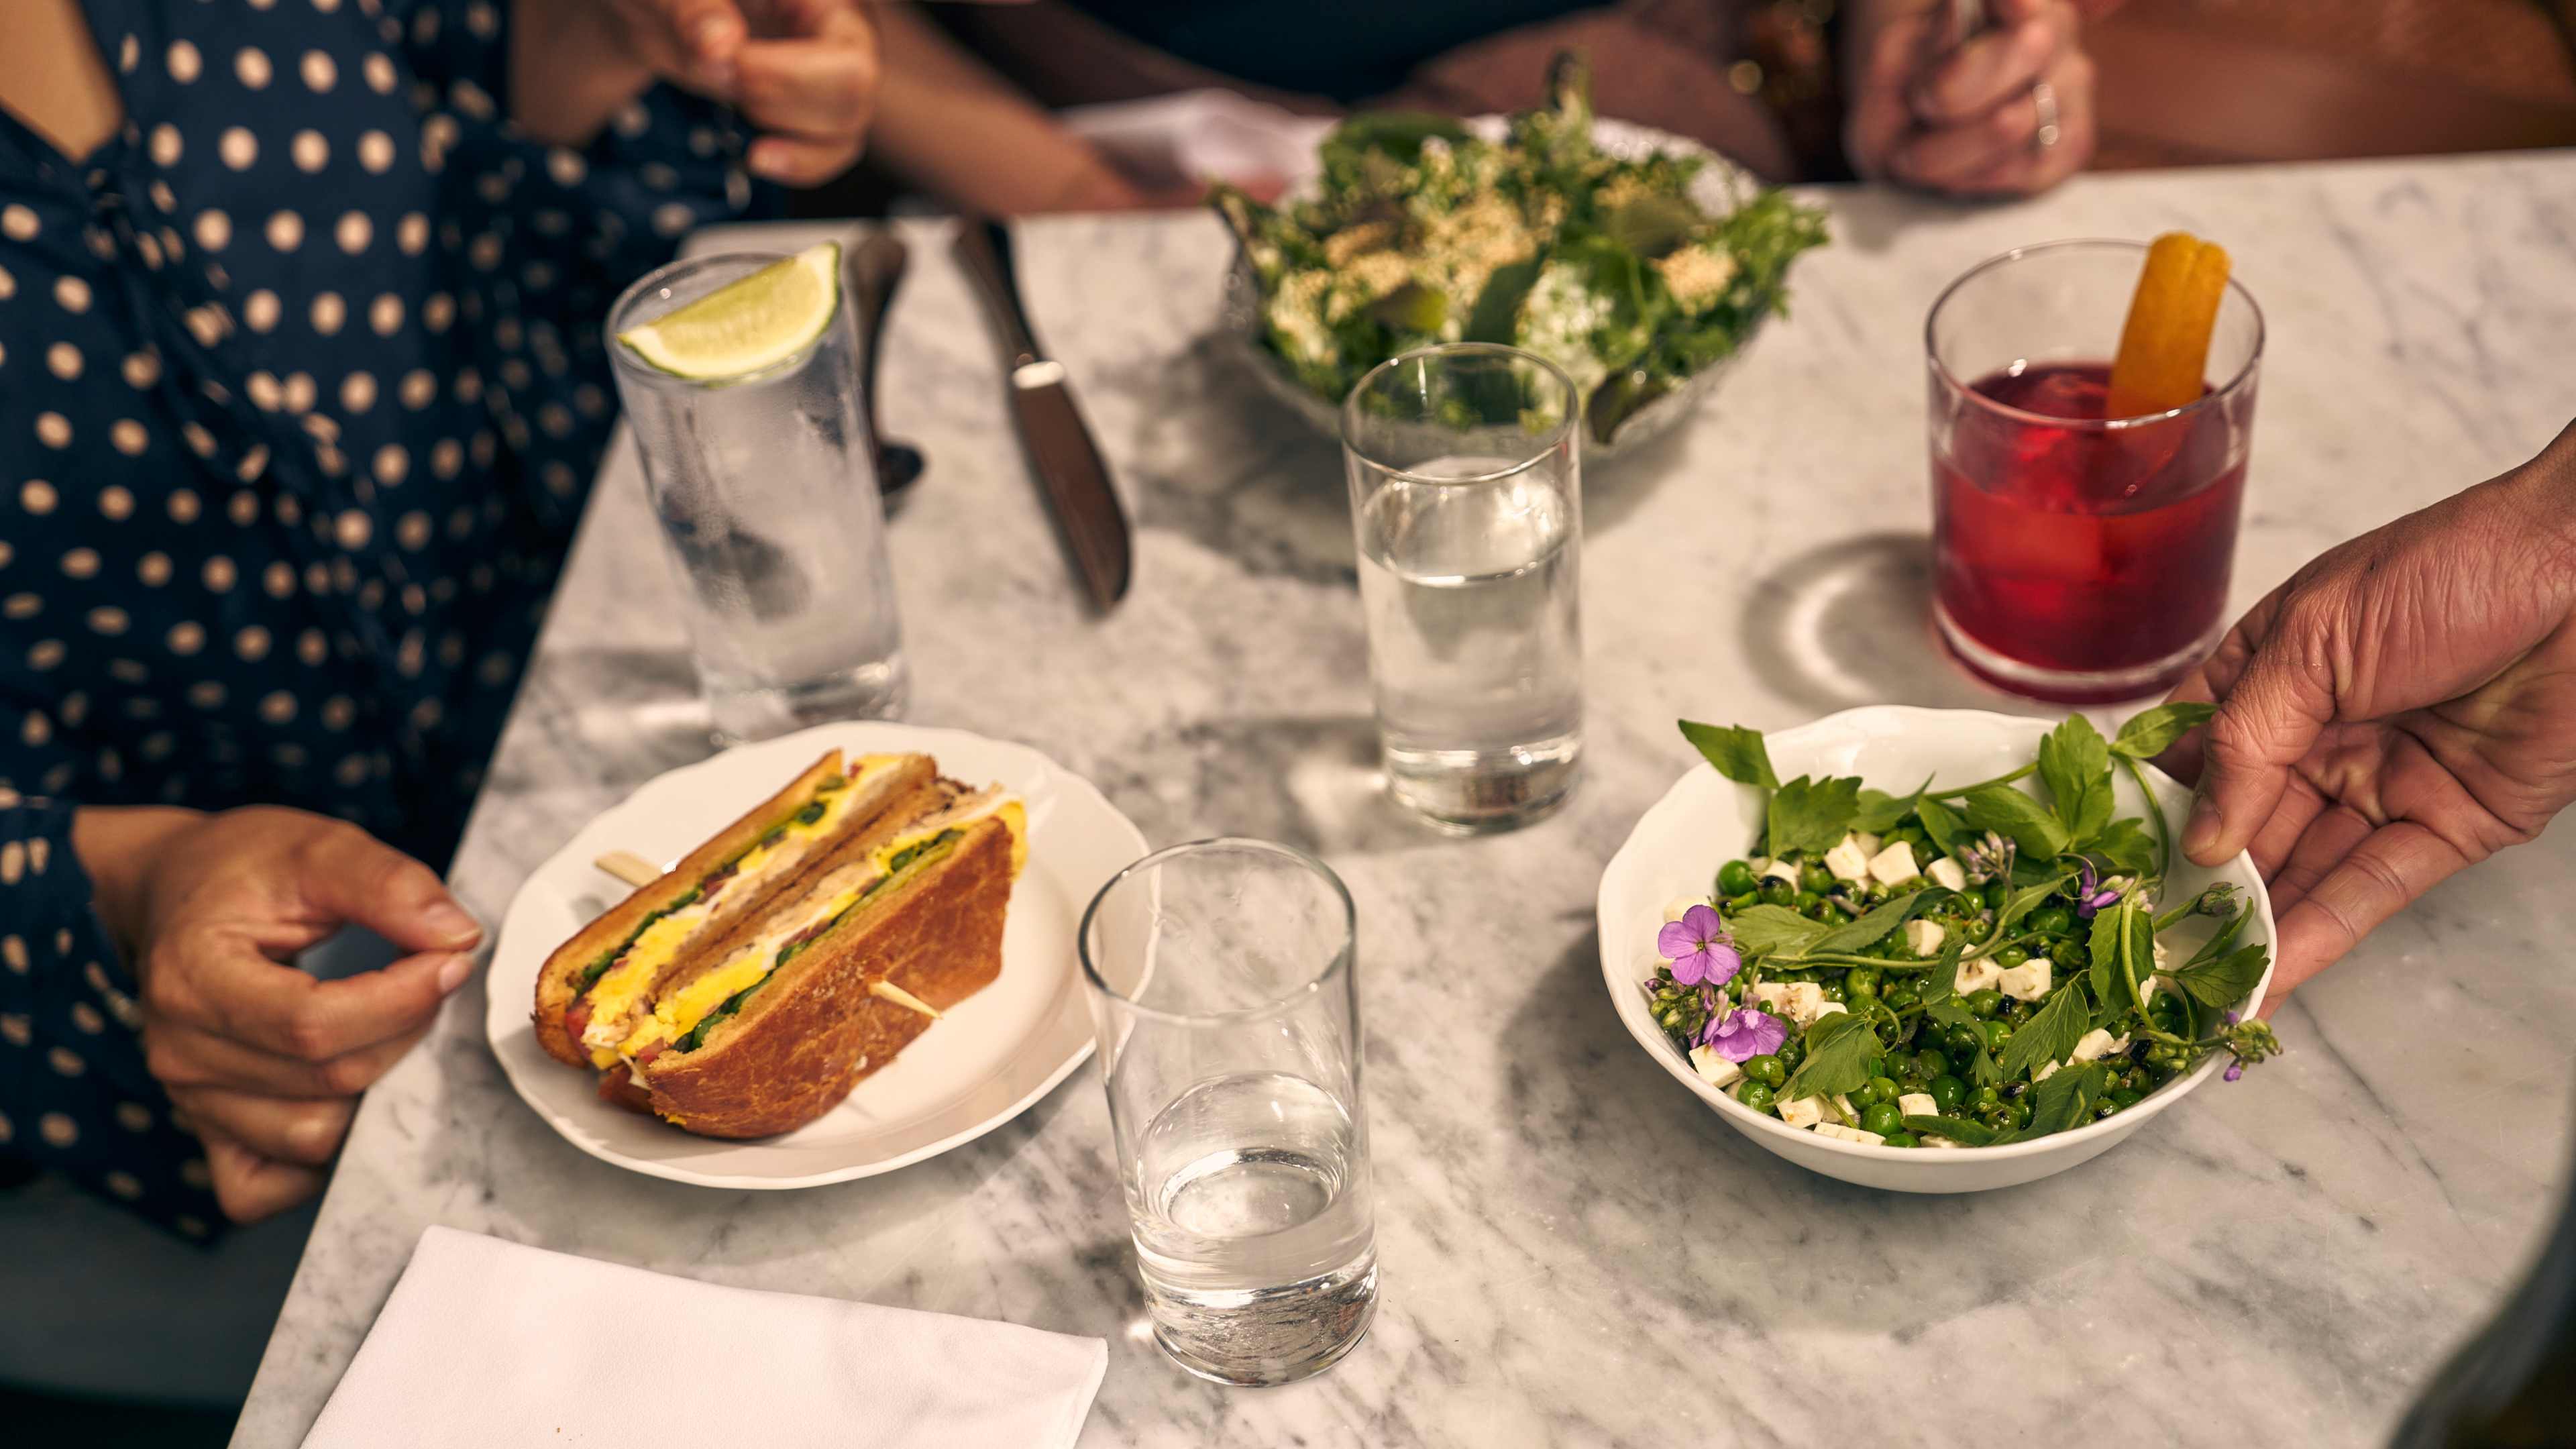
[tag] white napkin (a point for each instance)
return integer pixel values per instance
(493, 1344)
(1205, 135)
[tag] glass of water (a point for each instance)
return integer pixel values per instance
(1220, 980)
(1467, 496)
(768, 499)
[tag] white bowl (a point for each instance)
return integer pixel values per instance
(1706, 820)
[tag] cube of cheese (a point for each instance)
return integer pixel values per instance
(2097, 1043)
(1843, 1105)
(1929, 1140)
(1947, 872)
(1841, 1133)
(1918, 1104)
(1804, 1112)
(1780, 870)
(1713, 1069)
(1977, 975)
(1867, 842)
(1924, 938)
(2027, 981)
(1680, 906)
(1825, 1009)
(1796, 1000)
(1895, 865)
(1848, 861)
(2044, 1073)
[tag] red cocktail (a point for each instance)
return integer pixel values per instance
(2078, 557)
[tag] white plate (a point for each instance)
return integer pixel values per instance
(1706, 820)
(1720, 187)
(993, 1056)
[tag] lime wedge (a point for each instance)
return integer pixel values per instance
(747, 325)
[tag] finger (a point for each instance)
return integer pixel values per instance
(1992, 69)
(341, 873)
(2331, 837)
(691, 39)
(2264, 725)
(800, 160)
(2028, 168)
(2377, 879)
(1878, 111)
(284, 1129)
(239, 993)
(823, 88)
(249, 1187)
(185, 1056)
(1974, 155)
(2272, 846)
(2213, 678)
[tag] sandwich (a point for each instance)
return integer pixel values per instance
(763, 1017)
(590, 985)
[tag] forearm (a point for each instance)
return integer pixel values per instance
(569, 71)
(116, 845)
(950, 124)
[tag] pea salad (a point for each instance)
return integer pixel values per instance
(1959, 966)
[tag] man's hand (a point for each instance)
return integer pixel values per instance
(1964, 117)
(2404, 706)
(267, 1061)
(803, 71)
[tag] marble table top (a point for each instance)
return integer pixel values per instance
(1575, 1251)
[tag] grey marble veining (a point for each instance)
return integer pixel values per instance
(1575, 1251)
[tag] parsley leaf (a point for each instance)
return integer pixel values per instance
(2220, 944)
(2223, 981)
(2021, 903)
(2124, 843)
(1841, 1049)
(2049, 1035)
(1940, 822)
(1881, 812)
(1737, 752)
(2066, 1099)
(1867, 931)
(1812, 815)
(2075, 764)
(1957, 1129)
(2105, 944)
(1774, 931)
(2007, 811)
(1936, 986)
(2150, 734)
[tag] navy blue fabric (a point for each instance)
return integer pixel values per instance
(301, 388)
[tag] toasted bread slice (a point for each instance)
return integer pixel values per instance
(715, 886)
(792, 1048)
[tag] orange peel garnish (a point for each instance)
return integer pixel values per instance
(2164, 346)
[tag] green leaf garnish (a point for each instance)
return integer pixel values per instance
(1840, 1052)
(1937, 986)
(1871, 928)
(1881, 812)
(2224, 981)
(1957, 1129)
(2075, 764)
(2019, 904)
(1738, 754)
(2049, 1035)
(2007, 811)
(2152, 732)
(1774, 931)
(2066, 1099)
(1812, 816)
(2124, 843)
(1939, 822)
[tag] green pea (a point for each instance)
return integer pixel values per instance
(1774, 891)
(1881, 1117)
(1976, 930)
(1766, 1069)
(1997, 1033)
(2104, 1108)
(2020, 1109)
(1792, 1053)
(1734, 878)
(2011, 956)
(1754, 1095)
(1962, 1041)
(1670, 1018)
(1744, 902)
(1996, 892)
(1913, 835)
(1880, 1089)
(2071, 952)
(1930, 1059)
(1899, 997)
(1985, 1003)
(2124, 1097)
(1814, 877)
(1821, 910)
(1999, 1116)
(1804, 899)
(2051, 920)
(1861, 981)
(1948, 1092)
(1834, 991)
(1903, 1138)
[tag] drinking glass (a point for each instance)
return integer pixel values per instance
(1467, 499)
(2079, 557)
(768, 501)
(1220, 981)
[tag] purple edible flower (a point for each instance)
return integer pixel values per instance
(2231, 1018)
(2090, 894)
(1743, 1034)
(2234, 1070)
(1699, 948)
(1988, 859)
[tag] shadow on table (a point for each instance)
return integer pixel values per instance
(1672, 1200)
(1850, 623)
(1312, 782)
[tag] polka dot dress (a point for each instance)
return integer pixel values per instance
(300, 389)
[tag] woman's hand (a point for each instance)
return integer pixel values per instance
(1968, 118)
(803, 71)
(265, 1060)
(2402, 707)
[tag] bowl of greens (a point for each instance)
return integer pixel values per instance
(1640, 263)
(1935, 950)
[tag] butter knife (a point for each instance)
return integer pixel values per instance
(1061, 452)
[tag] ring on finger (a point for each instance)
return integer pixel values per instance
(2043, 101)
